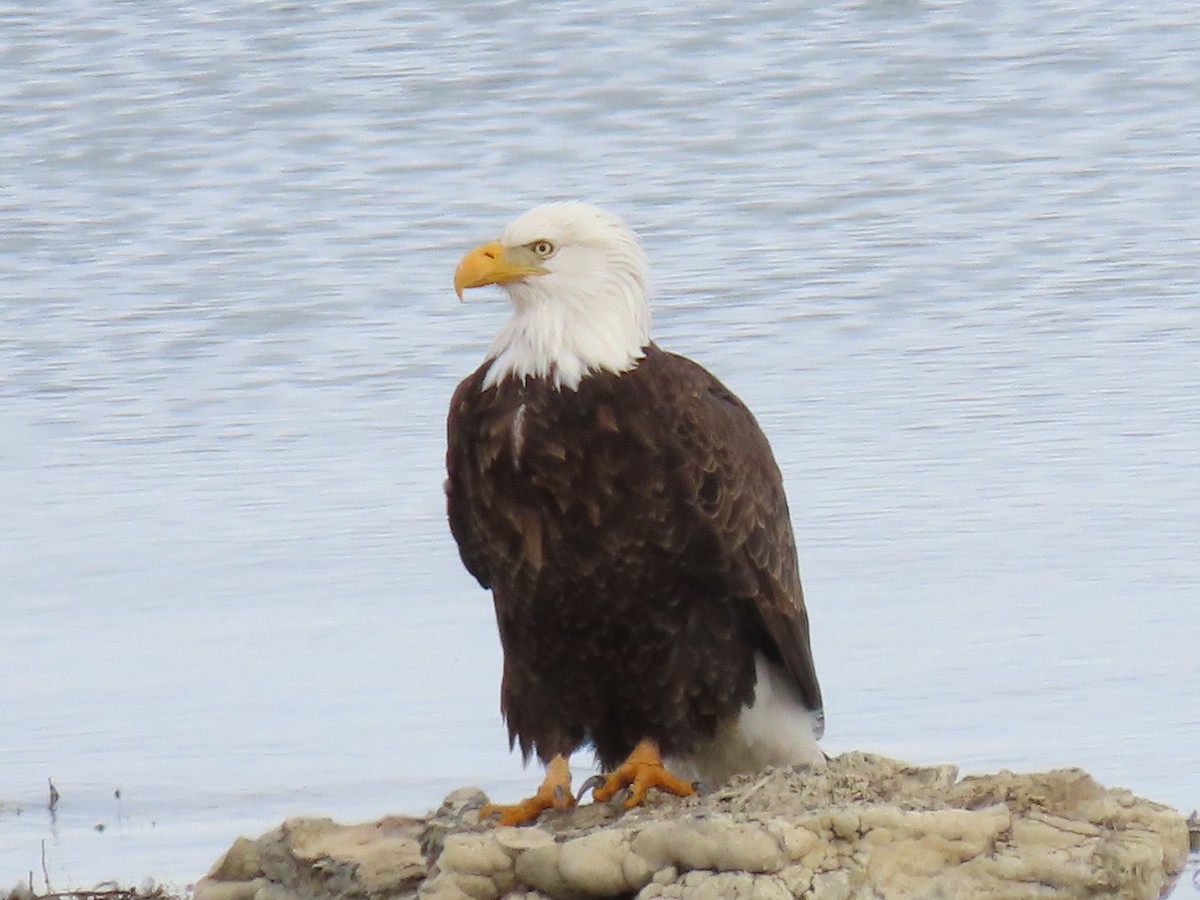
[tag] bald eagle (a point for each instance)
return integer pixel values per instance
(626, 512)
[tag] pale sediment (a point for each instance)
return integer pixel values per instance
(862, 826)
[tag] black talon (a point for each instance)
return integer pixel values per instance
(594, 782)
(701, 789)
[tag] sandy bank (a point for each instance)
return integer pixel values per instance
(862, 827)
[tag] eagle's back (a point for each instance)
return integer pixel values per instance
(636, 539)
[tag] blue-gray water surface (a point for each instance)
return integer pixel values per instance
(949, 253)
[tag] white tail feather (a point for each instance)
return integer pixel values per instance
(776, 729)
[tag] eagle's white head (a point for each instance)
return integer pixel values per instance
(578, 282)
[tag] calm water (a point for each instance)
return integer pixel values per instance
(950, 256)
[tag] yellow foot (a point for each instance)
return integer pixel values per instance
(642, 770)
(554, 793)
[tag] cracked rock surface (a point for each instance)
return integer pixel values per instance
(862, 826)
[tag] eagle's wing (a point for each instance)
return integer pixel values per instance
(464, 476)
(733, 483)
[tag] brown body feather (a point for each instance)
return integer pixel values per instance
(636, 539)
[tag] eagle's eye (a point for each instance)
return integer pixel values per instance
(542, 248)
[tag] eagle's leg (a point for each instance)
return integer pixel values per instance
(554, 793)
(643, 769)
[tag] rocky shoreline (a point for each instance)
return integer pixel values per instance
(862, 826)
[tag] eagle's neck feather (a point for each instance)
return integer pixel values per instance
(563, 331)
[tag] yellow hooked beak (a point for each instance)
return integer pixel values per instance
(494, 264)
